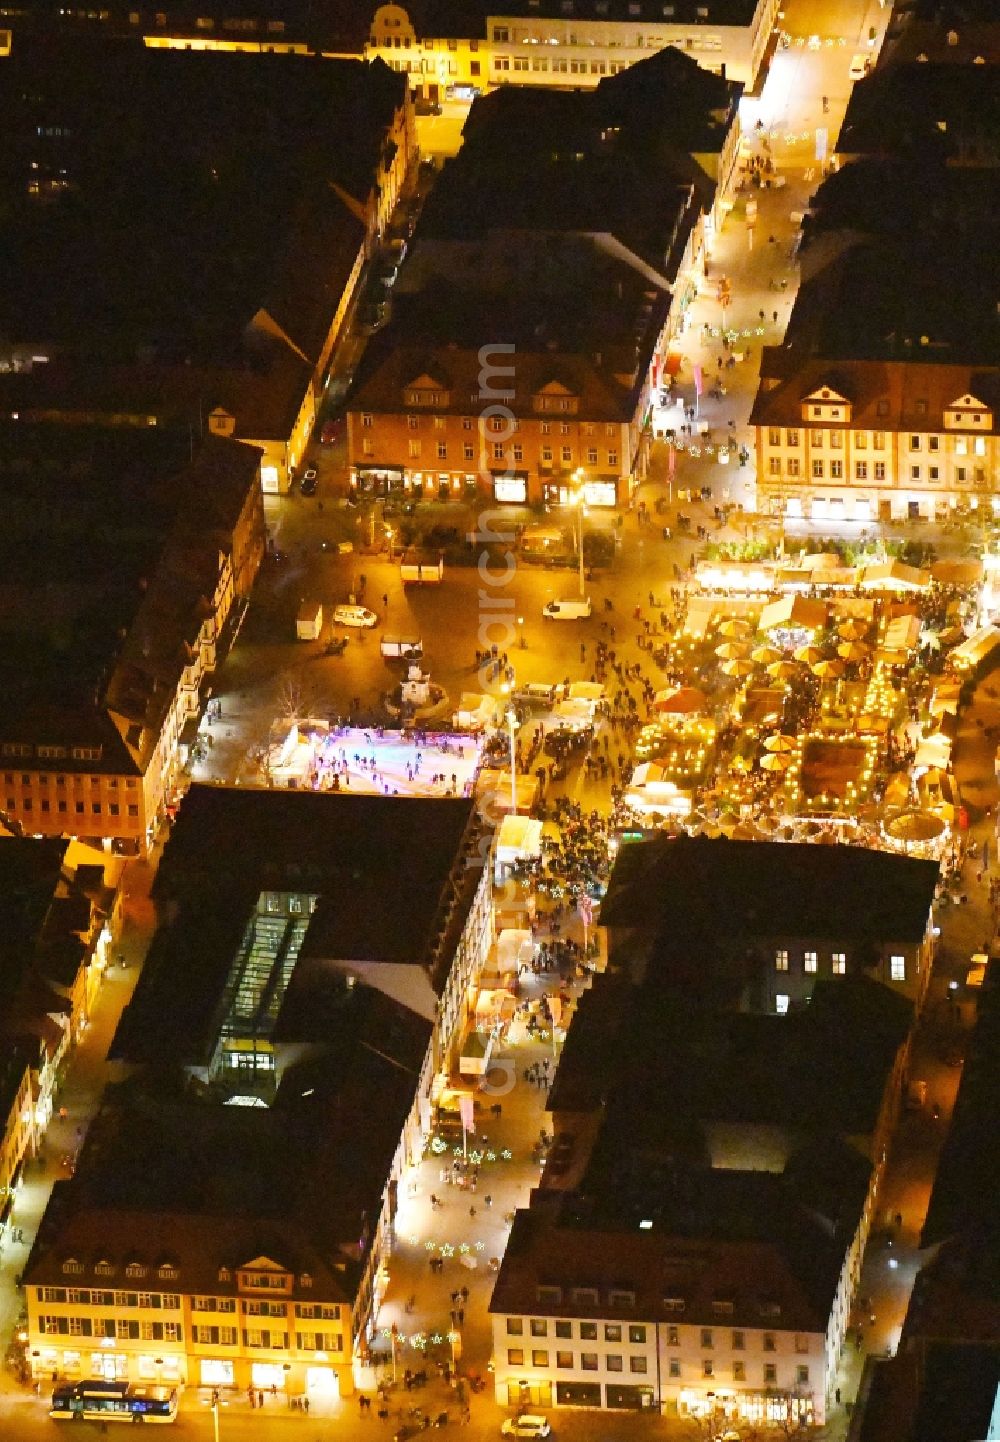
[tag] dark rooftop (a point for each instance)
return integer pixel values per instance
(692, 888)
(821, 1071)
(967, 1182)
(386, 871)
(929, 1392)
(616, 159)
(110, 540)
(152, 198)
(938, 113)
(708, 1235)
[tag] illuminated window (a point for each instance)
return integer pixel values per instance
(781, 1004)
(809, 960)
(897, 968)
(839, 963)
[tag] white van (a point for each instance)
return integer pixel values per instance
(576, 608)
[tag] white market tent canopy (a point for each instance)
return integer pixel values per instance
(519, 839)
(514, 949)
(972, 652)
(591, 691)
(902, 633)
(794, 613)
(894, 576)
(575, 712)
(474, 711)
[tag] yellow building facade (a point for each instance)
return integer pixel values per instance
(922, 445)
(257, 1323)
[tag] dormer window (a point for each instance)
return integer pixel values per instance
(550, 1295)
(674, 1305)
(224, 1274)
(104, 1268)
(167, 1272)
(136, 1269)
(621, 1297)
(305, 1280)
(72, 1267)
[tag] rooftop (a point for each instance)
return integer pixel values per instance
(929, 1392)
(820, 1071)
(694, 889)
(616, 160)
(738, 1246)
(111, 540)
(392, 882)
(155, 201)
(937, 112)
(580, 322)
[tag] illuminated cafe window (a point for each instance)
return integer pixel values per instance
(512, 489)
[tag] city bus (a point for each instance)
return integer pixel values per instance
(100, 1401)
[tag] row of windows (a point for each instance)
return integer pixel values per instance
(838, 963)
(613, 1331)
(589, 1361)
(79, 807)
(835, 441)
(739, 1371)
(90, 1297)
(78, 753)
(43, 778)
(810, 961)
(117, 1327)
(304, 1341)
(737, 1339)
(502, 423)
(501, 452)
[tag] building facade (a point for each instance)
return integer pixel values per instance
(195, 1313)
(573, 44)
(866, 442)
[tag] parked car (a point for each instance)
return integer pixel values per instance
(529, 1424)
(358, 616)
(331, 430)
(422, 106)
(309, 482)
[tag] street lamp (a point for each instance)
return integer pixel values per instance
(520, 633)
(512, 731)
(214, 1407)
(581, 510)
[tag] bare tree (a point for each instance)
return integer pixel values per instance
(295, 696)
(259, 757)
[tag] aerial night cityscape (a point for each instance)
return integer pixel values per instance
(500, 720)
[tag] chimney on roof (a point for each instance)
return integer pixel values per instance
(722, 70)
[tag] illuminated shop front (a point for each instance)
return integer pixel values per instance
(600, 493)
